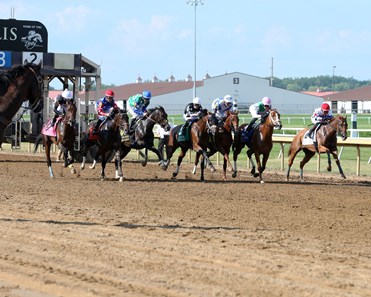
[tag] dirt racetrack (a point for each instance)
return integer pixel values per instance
(152, 236)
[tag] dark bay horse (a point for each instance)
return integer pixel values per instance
(63, 137)
(107, 140)
(222, 142)
(261, 142)
(199, 140)
(143, 137)
(326, 141)
(17, 85)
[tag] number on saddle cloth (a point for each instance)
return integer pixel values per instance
(184, 131)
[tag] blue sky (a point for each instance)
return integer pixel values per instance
(156, 37)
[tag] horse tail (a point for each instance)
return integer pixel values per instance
(37, 142)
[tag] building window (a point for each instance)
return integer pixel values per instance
(354, 106)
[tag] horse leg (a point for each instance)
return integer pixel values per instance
(159, 156)
(308, 155)
(329, 167)
(337, 161)
(48, 144)
(253, 168)
(144, 156)
(202, 165)
(118, 166)
(292, 155)
(261, 166)
(197, 159)
(104, 162)
(180, 159)
(236, 151)
(71, 160)
(84, 150)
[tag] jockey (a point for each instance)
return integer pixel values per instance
(258, 109)
(319, 115)
(103, 108)
(192, 112)
(60, 104)
(220, 106)
(137, 106)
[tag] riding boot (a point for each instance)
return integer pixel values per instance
(132, 124)
(96, 127)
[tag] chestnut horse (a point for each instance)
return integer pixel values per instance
(17, 85)
(107, 140)
(222, 142)
(199, 139)
(326, 142)
(64, 137)
(261, 142)
(143, 137)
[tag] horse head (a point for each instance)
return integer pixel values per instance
(70, 116)
(342, 126)
(275, 118)
(234, 120)
(158, 115)
(124, 121)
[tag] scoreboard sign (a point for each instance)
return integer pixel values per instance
(23, 36)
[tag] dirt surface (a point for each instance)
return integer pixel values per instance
(153, 236)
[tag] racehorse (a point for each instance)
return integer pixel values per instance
(108, 139)
(326, 143)
(222, 142)
(143, 137)
(261, 142)
(63, 135)
(199, 139)
(17, 85)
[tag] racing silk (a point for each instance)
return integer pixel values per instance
(257, 110)
(60, 105)
(318, 116)
(103, 107)
(190, 112)
(136, 105)
(220, 108)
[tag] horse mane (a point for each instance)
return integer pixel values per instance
(10, 75)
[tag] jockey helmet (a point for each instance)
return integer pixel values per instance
(67, 94)
(228, 99)
(267, 101)
(325, 107)
(147, 95)
(196, 100)
(109, 93)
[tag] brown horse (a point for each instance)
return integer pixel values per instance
(222, 142)
(199, 139)
(64, 137)
(108, 140)
(261, 142)
(17, 85)
(326, 142)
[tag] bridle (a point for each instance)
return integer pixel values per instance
(276, 121)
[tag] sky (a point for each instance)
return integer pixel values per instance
(150, 38)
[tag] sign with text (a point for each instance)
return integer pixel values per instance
(23, 36)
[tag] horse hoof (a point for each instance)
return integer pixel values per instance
(164, 167)
(256, 174)
(121, 179)
(234, 174)
(175, 174)
(262, 181)
(144, 164)
(82, 167)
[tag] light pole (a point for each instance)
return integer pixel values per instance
(195, 3)
(333, 77)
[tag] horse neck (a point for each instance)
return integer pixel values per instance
(267, 127)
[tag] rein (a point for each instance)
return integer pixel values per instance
(40, 82)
